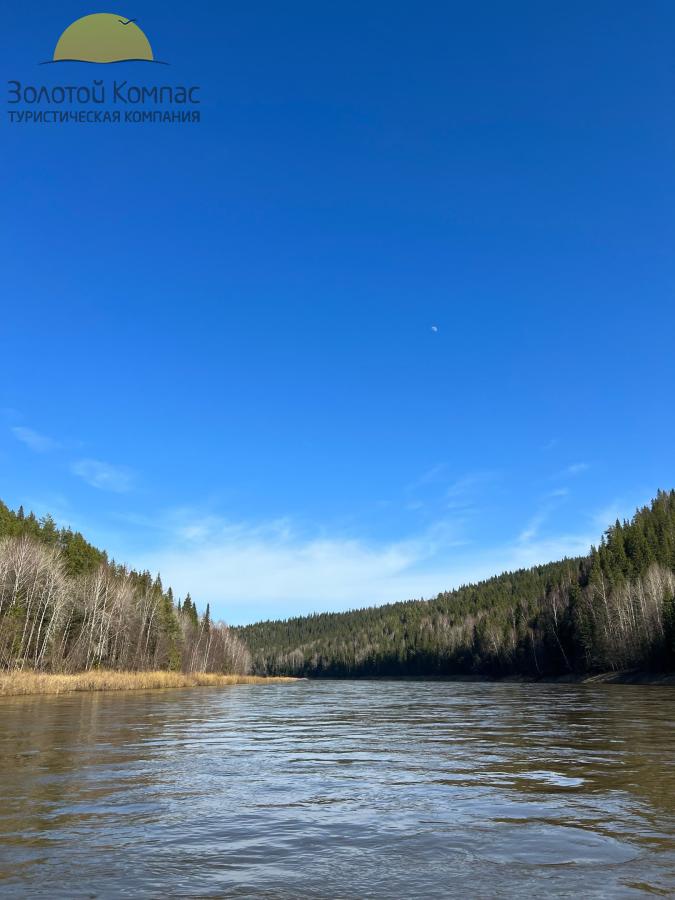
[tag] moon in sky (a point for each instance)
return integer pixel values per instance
(103, 38)
(434, 327)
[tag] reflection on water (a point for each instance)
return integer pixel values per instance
(340, 789)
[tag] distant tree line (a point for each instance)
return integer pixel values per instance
(613, 609)
(64, 606)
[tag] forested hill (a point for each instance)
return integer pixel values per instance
(65, 607)
(613, 609)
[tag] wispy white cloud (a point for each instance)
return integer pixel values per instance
(435, 492)
(429, 476)
(472, 481)
(37, 442)
(265, 568)
(558, 493)
(248, 571)
(462, 493)
(103, 475)
(533, 527)
(576, 468)
(551, 501)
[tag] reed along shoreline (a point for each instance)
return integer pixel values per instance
(16, 683)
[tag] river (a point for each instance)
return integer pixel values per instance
(340, 790)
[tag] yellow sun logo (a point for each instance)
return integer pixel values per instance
(103, 38)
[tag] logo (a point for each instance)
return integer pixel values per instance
(127, 98)
(103, 38)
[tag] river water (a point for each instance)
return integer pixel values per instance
(340, 790)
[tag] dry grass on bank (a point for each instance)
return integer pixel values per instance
(17, 683)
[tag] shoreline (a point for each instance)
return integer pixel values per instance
(625, 677)
(628, 676)
(29, 683)
(18, 684)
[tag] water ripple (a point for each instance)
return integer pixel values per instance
(351, 789)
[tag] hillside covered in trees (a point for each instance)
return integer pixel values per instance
(65, 607)
(613, 609)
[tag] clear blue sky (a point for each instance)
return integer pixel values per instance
(217, 339)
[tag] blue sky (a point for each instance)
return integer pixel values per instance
(218, 339)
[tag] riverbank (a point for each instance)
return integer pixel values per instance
(628, 676)
(14, 684)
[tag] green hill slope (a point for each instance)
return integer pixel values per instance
(613, 609)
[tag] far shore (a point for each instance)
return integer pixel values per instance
(17, 683)
(627, 676)
(621, 677)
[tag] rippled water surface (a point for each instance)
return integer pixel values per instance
(340, 789)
